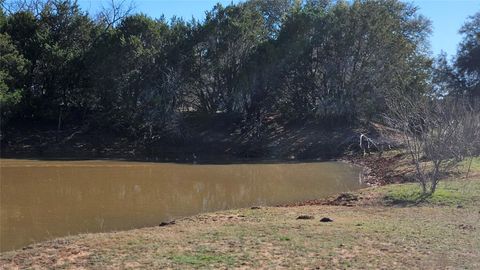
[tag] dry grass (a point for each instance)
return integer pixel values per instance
(439, 233)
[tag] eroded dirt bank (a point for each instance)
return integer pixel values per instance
(211, 140)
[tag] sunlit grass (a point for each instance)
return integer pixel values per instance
(448, 193)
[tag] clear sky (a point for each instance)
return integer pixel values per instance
(447, 16)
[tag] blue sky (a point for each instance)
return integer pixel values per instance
(447, 16)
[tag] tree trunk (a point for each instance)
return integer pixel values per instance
(59, 125)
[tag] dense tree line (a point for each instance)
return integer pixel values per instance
(332, 61)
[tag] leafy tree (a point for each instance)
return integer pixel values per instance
(13, 67)
(134, 76)
(337, 61)
(226, 40)
(468, 56)
(446, 80)
(54, 41)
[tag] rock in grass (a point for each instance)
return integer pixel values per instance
(162, 224)
(466, 227)
(255, 207)
(305, 217)
(326, 219)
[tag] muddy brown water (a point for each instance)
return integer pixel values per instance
(41, 200)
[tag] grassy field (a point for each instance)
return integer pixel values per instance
(385, 227)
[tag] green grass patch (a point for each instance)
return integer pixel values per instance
(447, 193)
(203, 259)
(284, 238)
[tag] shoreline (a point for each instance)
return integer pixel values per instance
(371, 220)
(287, 237)
(334, 199)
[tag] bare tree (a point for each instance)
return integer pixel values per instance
(111, 12)
(14, 6)
(114, 12)
(438, 133)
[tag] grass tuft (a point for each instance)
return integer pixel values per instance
(284, 238)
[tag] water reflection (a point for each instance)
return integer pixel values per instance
(44, 199)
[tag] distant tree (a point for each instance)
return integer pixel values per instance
(136, 85)
(23, 28)
(54, 40)
(228, 37)
(30, 6)
(13, 68)
(446, 80)
(468, 56)
(114, 12)
(273, 12)
(337, 60)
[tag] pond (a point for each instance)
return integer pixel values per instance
(41, 200)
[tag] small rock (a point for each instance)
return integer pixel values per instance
(166, 223)
(346, 198)
(255, 207)
(305, 217)
(326, 219)
(459, 206)
(466, 227)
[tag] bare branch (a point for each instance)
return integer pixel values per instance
(33, 6)
(438, 133)
(115, 11)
